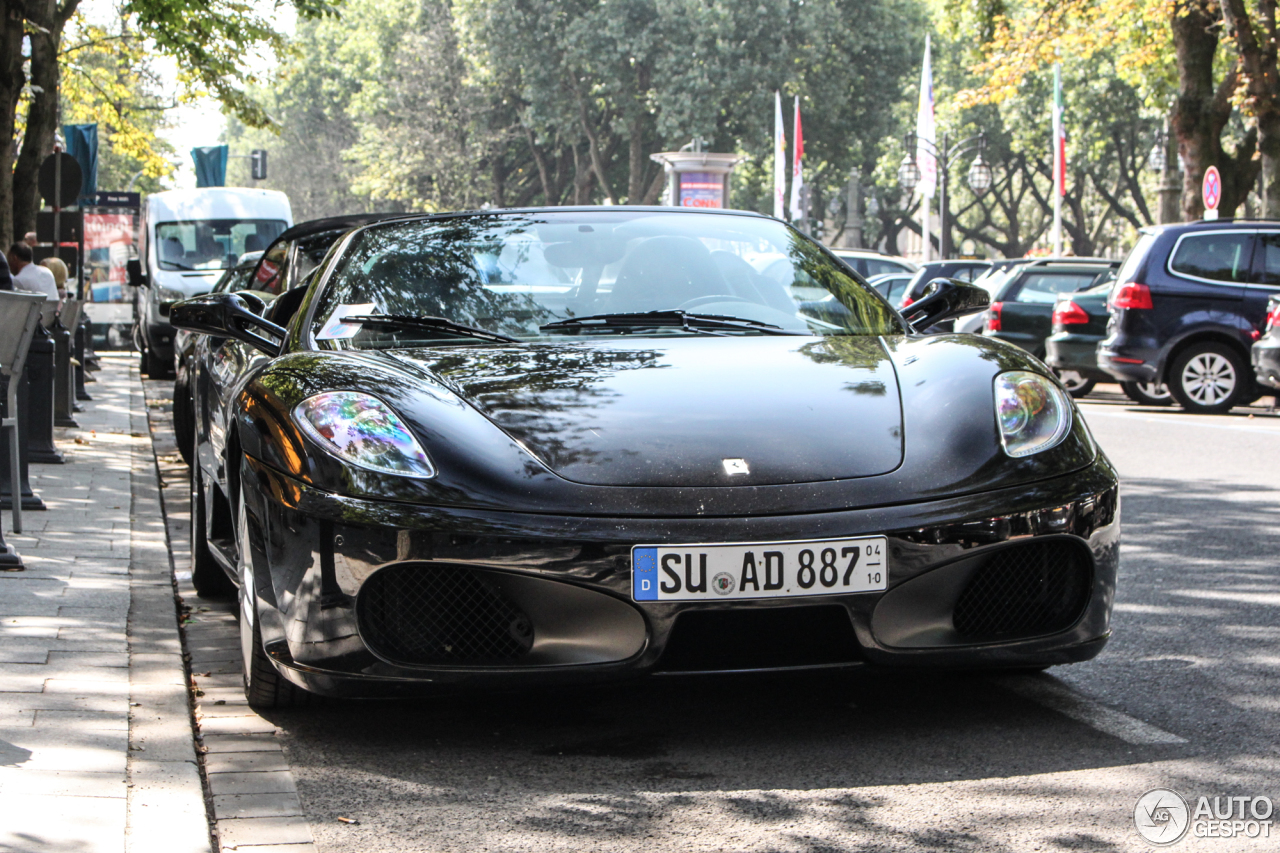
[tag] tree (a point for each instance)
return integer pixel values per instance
(1202, 83)
(212, 41)
(427, 105)
(107, 79)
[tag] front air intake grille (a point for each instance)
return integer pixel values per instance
(441, 615)
(1024, 591)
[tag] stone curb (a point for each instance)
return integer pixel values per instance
(253, 795)
(166, 806)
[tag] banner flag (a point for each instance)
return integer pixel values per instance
(926, 129)
(797, 170)
(779, 160)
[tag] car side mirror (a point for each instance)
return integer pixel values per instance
(229, 315)
(134, 274)
(943, 299)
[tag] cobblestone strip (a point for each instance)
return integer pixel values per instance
(167, 807)
(255, 799)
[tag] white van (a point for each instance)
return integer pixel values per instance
(189, 237)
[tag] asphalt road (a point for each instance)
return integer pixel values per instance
(1186, 696)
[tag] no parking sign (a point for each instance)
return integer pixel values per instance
(1211, 191)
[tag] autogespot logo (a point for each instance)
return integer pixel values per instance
(1162, 816)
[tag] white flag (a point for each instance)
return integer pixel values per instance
(797, 169)
(926, 131)
(779, 159)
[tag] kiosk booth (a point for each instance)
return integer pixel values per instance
(697, 178)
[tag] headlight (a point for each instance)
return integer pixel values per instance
(364, 431)
(1034, 413)
(168, 294)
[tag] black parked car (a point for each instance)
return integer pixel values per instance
(1021, 312)
(284, 265)
(1266, 352)
(1189, 303)
(1079, 322)
(570, 444)
(965, 270)
(184, 348)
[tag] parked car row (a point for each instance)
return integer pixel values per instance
(1188, 307)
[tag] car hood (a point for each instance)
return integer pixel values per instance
(671, 411)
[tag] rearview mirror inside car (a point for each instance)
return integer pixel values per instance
(943, 299)
(229, 315)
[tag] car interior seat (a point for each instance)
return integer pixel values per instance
(171, 250)
(665, 272)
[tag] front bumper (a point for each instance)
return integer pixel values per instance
(1265, 356)
(1129, 355)
(314, 552)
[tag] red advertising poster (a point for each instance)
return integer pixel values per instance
(108, 238)
(701, 189)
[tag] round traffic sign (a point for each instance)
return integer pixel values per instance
(47, 181)
(1211, 188)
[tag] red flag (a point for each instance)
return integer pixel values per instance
(797, 173)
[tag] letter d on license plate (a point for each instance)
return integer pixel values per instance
(759, 570)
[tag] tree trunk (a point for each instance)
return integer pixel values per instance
(593, 148)
(1201, 111)
(1262, 87)
(544, 172)
(42, 115)
(637, 161)
(12, 79)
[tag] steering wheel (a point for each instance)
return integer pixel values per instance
(708, 300)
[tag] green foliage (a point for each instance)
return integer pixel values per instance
(427, 104)
(213, 40)
(107, 78)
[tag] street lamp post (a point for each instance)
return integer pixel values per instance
(979, 175)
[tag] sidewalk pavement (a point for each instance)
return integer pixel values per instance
(254, 795)
(96, 743)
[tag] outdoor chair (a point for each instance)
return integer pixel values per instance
(19, 314)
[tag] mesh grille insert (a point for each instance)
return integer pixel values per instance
(1025, 591)
(419, 614)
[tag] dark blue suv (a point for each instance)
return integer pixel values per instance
(1187, 305)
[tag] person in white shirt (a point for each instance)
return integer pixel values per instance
(28, 276)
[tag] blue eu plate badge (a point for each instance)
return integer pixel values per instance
(644, 574)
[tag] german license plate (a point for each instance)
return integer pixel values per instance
(758, 569)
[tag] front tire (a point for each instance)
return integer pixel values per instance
(153, 365)
(1208, 379)
(183, 419)
(207, 575)
(1077, 384)
(264, 687)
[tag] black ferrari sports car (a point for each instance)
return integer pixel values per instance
(589, 443)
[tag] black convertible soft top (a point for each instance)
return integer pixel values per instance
(333, 223)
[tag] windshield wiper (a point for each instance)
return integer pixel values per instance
(423, 322)
(670, 318)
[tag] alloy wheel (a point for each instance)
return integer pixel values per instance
(1209, 379)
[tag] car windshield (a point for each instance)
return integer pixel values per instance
(515, 274)
(212, 244)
